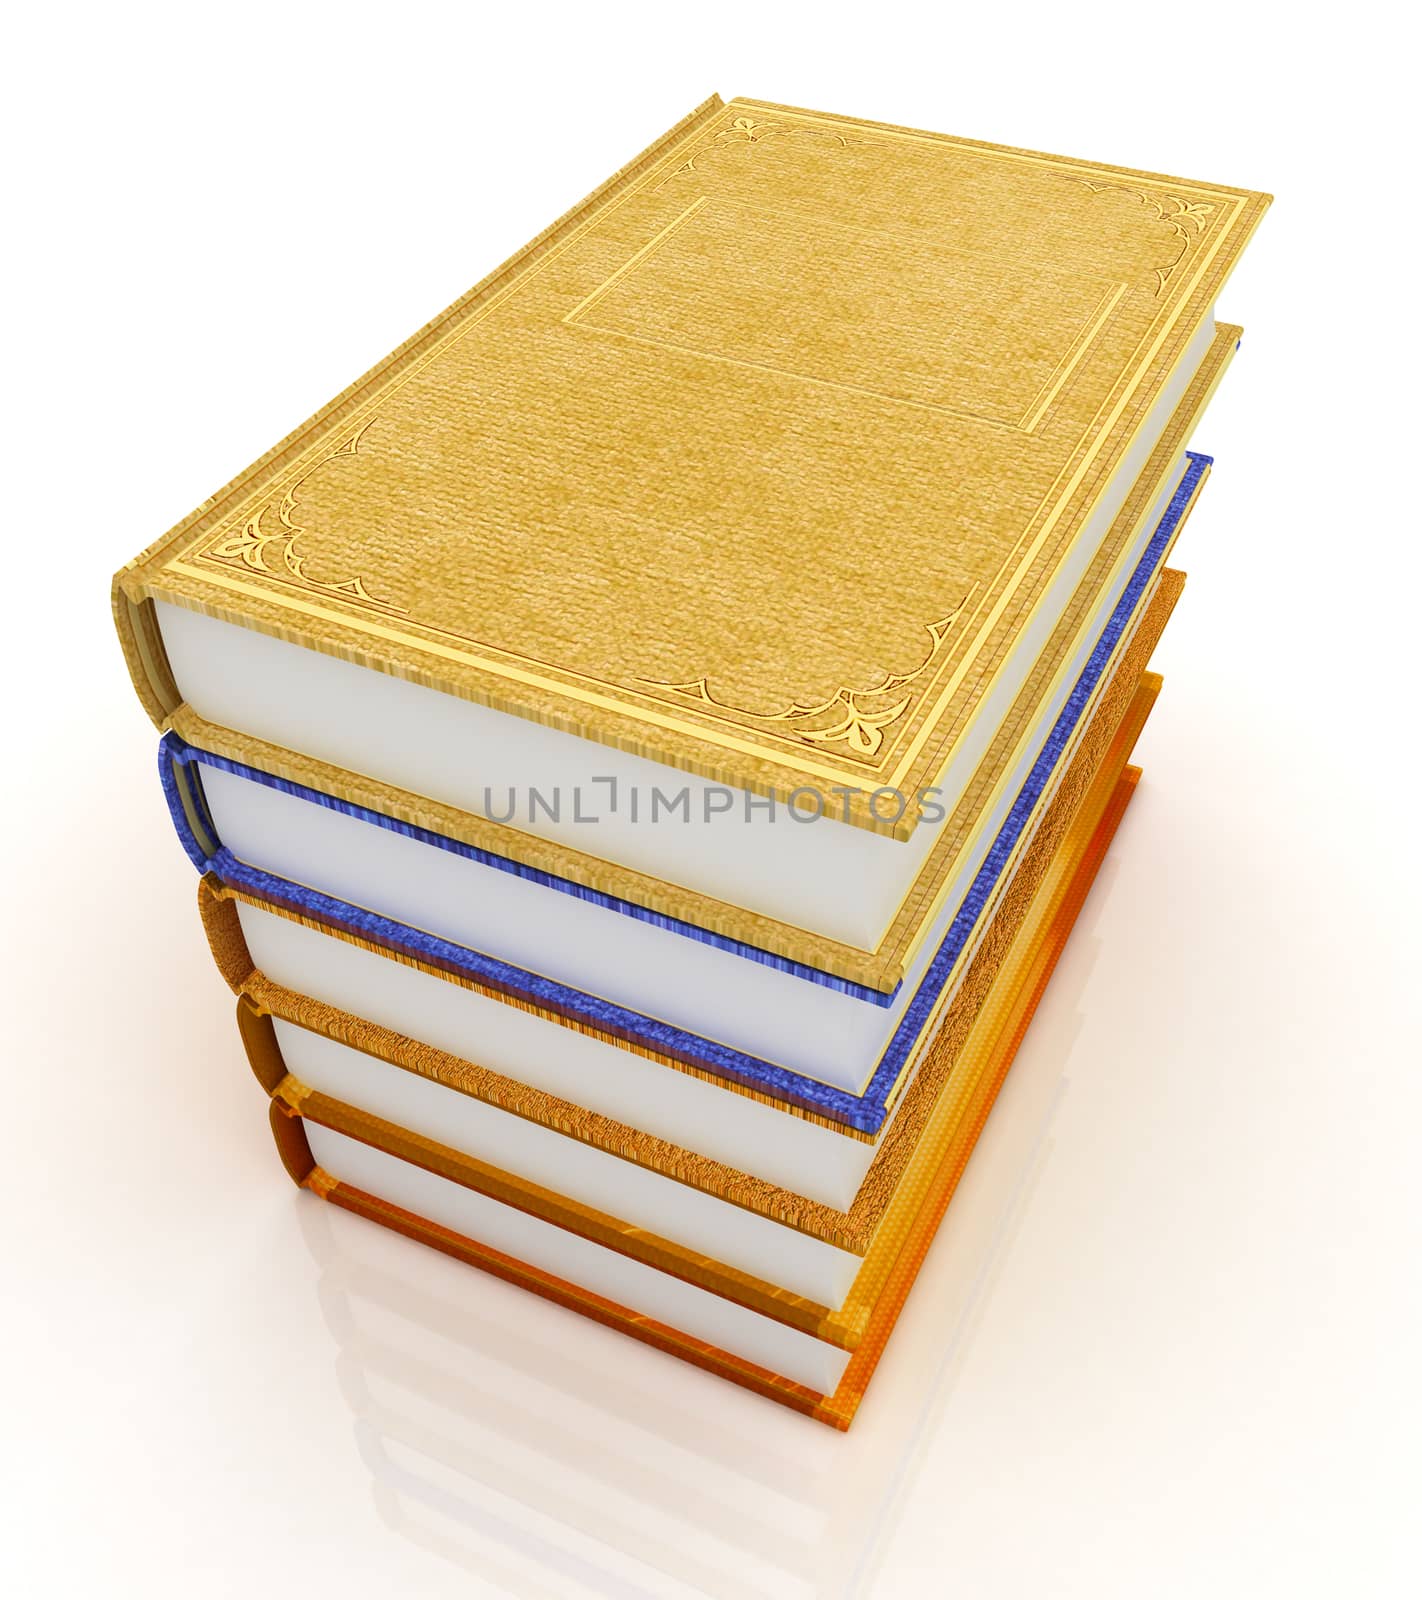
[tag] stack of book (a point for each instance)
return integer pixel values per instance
(645, 744)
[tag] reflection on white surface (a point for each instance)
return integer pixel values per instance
(549, 1455)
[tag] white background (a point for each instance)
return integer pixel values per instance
(1166, 1344)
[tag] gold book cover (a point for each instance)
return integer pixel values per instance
(640, 492)
(1172, 474)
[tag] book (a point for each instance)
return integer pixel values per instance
(640, 510)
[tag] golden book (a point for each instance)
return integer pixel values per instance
(776, 464)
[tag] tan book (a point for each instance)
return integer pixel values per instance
(773, 468)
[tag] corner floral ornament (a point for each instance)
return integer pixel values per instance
(860, 724)
(1186, 219)
(256, 539)
(746, 130)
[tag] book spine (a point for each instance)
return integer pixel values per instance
(259, 1039)
(224, 934)
(294, 1148)
(144, 655)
